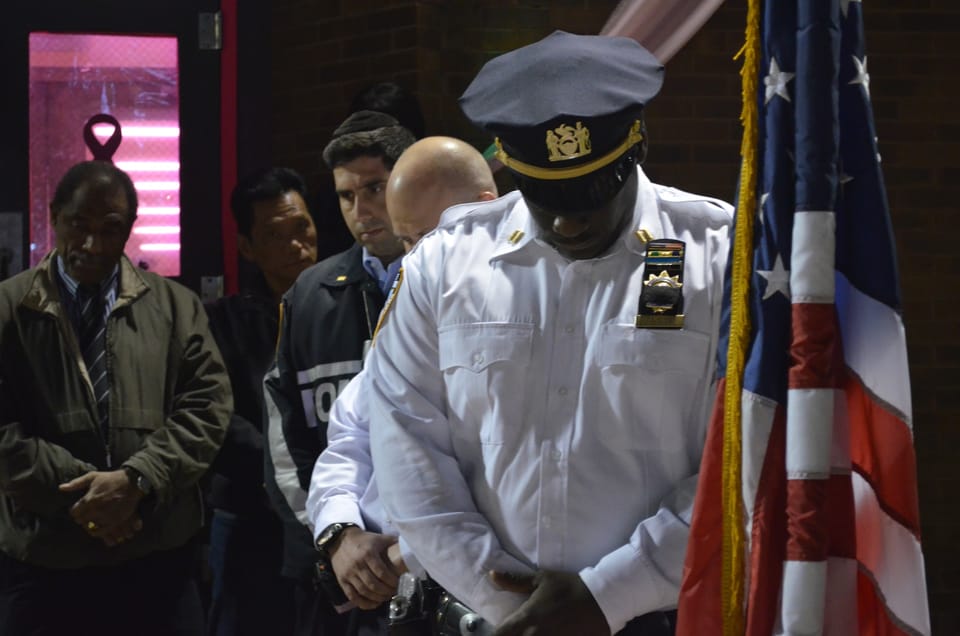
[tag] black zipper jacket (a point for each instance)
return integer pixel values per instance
(327, 321)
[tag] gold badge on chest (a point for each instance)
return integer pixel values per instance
(661, 300)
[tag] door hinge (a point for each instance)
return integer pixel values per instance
(210, 31)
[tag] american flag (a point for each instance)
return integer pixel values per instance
(828, 475)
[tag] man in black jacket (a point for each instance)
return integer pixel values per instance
(276, 234)
(327, 322)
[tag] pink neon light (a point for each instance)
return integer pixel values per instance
(149, 166)
(70, 50)
(158, 211)
(75, 71)
(157, 229)
(160, 247)
(156, 186)
(134, 131)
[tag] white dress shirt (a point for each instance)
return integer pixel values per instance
(342, 482)
(342, 485)
(522, 422)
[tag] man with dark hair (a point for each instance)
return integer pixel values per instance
(383, 97)
(541, 387)
(328, 319)
(276, 234)
(113, 402)
(274, 227)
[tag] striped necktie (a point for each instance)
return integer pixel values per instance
(92, 337)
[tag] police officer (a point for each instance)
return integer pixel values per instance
(541, 387)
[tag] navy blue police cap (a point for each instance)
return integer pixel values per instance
(565, 106)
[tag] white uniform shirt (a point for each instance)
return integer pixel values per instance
(342, 485)
(521, 421)
(342, 488)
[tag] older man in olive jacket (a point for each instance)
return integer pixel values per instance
(113, 402)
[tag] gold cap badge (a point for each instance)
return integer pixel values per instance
(566, 142)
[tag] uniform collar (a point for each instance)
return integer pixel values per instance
(383, 275)
(519, 230)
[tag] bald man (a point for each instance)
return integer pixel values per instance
(432, 175)
(352, 533)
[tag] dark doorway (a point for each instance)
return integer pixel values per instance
(155, 66)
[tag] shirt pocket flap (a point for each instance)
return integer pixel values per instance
(477, 346)
(653, 349)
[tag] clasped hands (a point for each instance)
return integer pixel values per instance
(367, 566)
(559, 604)
(108, 508)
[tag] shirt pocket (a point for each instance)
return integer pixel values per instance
(485, 367)
(651, 387)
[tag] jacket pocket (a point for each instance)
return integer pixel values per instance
(485, 367)
(79, 433)
(131, 427)
(651, 386)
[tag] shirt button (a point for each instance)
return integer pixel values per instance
(546, 522)
(557, 455)
(562, 390)
(478, 359)
(568, 329)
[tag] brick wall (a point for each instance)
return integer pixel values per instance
(913, 58)
(325, 51)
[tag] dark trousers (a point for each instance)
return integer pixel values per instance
(316, 617)
(249, 596)
(368, 622)
(152, 596)
(652, 624)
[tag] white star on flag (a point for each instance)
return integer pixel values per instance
(778, 280)
(763, 200)
(862, 76)
(845, 6)
(776, 82)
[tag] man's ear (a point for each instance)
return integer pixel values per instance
(245, 247)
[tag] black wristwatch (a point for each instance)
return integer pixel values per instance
(330, 535)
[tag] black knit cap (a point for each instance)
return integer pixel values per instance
(367, 133)
(364, 121)
(565, 107)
